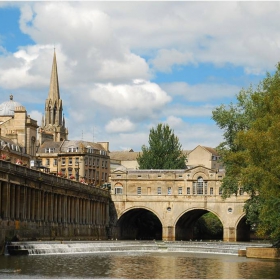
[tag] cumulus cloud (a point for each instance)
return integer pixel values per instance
(119, 125)
(139, 97)
(165, 59)
(110, 54)
(201, 92)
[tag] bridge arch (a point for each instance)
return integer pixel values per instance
(185, 223)
(141, 223)
(243, 230)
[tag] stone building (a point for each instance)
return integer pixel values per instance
(78, 160)
(18, 132)
(200, 155)
(205, 156)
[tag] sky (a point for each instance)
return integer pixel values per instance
(125, 67)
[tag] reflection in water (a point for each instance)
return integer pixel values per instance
(138, 265)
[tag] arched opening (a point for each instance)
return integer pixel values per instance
(199, 224)
(140, 224)
(243, 231)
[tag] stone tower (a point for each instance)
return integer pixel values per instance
(53, 123)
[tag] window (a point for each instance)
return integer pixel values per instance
(220, 191)
(200, 186)
(211, 191)
(188, 190)
(55, 162)
(139, 191)
(63, 161)
(47, 161)
(70, 161)
(76, 161)
(159, 190)
(180, 191)
(97, 162)
(102, 163)
(49, 150)
(169, 191)
(118, 190)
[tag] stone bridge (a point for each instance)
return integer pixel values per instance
(167, 203)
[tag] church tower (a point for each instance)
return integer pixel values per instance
(53, 123)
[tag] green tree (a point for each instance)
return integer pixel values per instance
(251, 152)
(164, 151)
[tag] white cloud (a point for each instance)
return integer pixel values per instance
(201, 92)
(139, 98)
(119, 125)
(165, 59)
(102, 52)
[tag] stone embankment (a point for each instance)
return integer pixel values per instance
(72, 247)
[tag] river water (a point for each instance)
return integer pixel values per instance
(141, 265)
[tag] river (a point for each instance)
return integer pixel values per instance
(141, 265)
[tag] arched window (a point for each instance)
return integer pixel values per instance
(200, 186)
(118, 189)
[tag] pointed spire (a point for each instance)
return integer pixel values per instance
(54, 86)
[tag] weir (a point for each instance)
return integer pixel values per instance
(78, 247)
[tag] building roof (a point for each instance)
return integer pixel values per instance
(62, 146)
(7, 108)
(124, 155)
(211, 150)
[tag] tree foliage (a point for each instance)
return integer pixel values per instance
(164, 151)
(208, 226)
(251, 152)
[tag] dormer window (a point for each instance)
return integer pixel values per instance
(49, 150)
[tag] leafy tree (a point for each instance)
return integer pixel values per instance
(208, 226)
(164, 151)
(251, 152)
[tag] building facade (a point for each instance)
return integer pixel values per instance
(78, 160)
(18, 132)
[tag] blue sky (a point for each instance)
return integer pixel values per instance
(124, 67)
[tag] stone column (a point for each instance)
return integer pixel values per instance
(59, 208)
(43, 206)
(28, 204)
(5, 213)
(22, 208)
(168, 233)
(46, 204)
(17, 192)
(12, 206)
(229, 234)
(55, 207)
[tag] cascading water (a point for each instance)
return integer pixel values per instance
(78, 247)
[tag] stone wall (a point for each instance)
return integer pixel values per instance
(35, 205)
(263, 253)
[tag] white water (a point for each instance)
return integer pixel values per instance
(72, 247)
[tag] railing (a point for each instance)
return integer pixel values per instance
(49, 178)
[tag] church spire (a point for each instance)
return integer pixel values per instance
(54, 86)
(53, 122)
